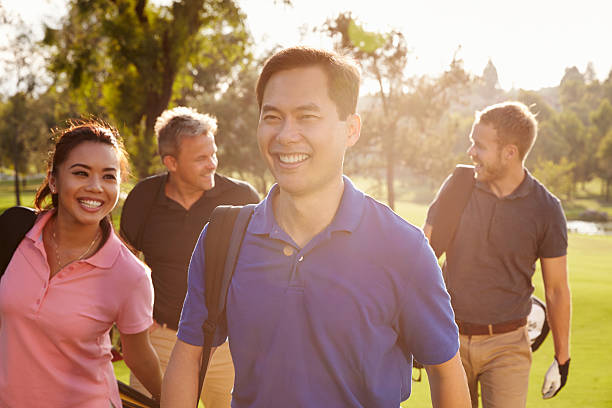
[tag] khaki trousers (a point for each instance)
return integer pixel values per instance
(219, 381)
(500, 363)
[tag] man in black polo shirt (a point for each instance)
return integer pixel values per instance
(162, 218)
(509, 222)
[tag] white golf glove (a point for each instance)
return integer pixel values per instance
(555, 379)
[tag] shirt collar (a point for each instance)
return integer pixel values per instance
(35, 233)
(216, 191)
(107, 255)
(522, 190)
(347, 217)
(104, 258)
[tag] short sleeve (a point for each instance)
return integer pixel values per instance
(554, 240)
(136, 313)
(426, 319)
(194, 311)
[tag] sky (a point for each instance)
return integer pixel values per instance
(531, 42)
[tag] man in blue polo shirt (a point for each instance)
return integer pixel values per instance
(333, 293)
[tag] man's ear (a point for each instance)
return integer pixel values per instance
(510, 152)
(169, 162)
(353, 128)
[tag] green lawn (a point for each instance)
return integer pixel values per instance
(7, 194)
(590, 379)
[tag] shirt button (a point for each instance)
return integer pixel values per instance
(288, 250)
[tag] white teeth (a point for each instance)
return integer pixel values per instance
(292, 158)
(91, 203)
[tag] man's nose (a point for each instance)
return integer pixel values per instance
(470, 150)
(289, 132)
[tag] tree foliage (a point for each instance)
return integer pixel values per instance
(604, 157)
(128, 59)
(557, 177)
(22, 115)
(400, 124)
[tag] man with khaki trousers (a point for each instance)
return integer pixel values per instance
(162, 218)
(509, 222)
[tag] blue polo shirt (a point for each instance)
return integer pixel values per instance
(334, 323)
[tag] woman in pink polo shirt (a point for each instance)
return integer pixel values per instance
(69, 280)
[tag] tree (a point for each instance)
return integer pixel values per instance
(574, 136)
(21, 126)
(558, 177)
(604, 156)
(128, 60)
(602, 117)
(409, 109)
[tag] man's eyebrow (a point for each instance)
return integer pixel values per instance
(89, 167)
(306, 107)
(268, 108)
(309, 107)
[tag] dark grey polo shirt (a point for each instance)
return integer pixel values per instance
(169, 234)
(491, 261)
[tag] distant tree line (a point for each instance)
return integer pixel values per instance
(127, 60)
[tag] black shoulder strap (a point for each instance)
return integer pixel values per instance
(226, 228)
(15, 223)
(451, 203)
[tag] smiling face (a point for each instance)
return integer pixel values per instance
(195, 165)
(300, 134)
(87, 183)
(486, 153)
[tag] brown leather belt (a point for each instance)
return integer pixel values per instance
(471, 329)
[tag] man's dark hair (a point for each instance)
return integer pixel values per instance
(342, 74)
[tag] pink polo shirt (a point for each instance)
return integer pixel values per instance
(54, 342)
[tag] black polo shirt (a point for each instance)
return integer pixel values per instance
(166, 233)
(491, 261)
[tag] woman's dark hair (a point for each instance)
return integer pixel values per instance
(66, 140)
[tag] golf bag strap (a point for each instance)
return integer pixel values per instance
(451, 203)
(224, 234)
(15, 223)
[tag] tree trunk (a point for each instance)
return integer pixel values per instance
(146, 151)
(390, 159)
(157, 102)
(390, 180)
(17, 185)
